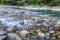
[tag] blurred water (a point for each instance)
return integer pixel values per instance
(10, 21)
(13, 9)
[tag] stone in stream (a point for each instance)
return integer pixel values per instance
(58, 39)
(44, 29)
(2, 27)
(57, 23)
(53, 38)
(41, 35)
(58, 36)
(51, 31)
(57, 28)
(58, 32)
(2, 37)
(2, 32)
(14, 29)
(13, 36)
(32, 37)
(23, 33)
(47, 35)
(3, 13)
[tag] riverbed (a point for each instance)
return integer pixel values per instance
(14, 19)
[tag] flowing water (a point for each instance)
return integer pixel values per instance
(10, 21)
(41, 12)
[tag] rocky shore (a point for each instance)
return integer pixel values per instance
(23, 26)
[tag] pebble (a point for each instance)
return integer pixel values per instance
(23, 33)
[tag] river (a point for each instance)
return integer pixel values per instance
(9, 20)
(41, 12)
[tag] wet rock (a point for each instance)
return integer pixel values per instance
(2, 32)
(23, 33)
(57, 28)
(47, 35)
(2, 27)
(20, 26)
(58, 39)
(53, 38)
(52, 31)
(58, 32)
(57, 23)
(58, 36)
(40, 34)
(28, 21)
(3, 13)
(14, 29)
(32, 37)
(44, 29)
(13, 36)
(51, 28)
(2, 37)
(53, 35)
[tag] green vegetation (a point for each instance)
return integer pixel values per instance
(31, 2)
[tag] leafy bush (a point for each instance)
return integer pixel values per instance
(31, 2)
(52, 4)
(21, 3)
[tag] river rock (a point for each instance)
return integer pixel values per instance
(2, 32)
(52, 31)
(3, 13)
(58, 36)
(2, 37)
(53, 35)
(58, 39)
(47, 35)
(57, 28)
(57, 23)
(23, 33)
(53, 38)
(13, 36)
(44, 29)
(58, 32)
(14, 29)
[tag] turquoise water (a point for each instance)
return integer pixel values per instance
(43, 12)
(50, 13)
(10, 20)
(40, 12)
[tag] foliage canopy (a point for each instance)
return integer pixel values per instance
(31, 2)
